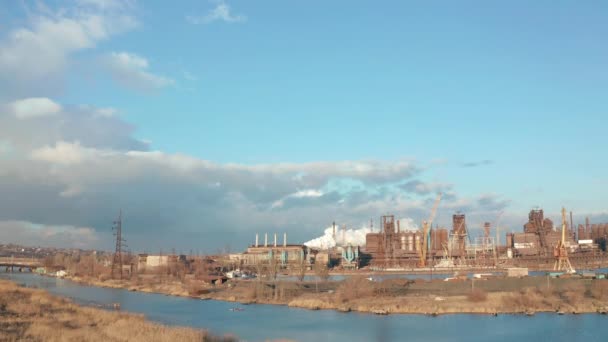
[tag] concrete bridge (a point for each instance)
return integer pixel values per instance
(19, 264)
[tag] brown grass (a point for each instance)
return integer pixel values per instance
(477, 295)
(356, 287)
(599, 289)
(573, 293)
(35, 315)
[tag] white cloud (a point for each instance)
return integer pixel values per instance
(189, 76)
(34, 107)
(221, 12)
(34, 57)
(34, 234)
(310, 193)
(131, 70)
(108, 4)
(65, 153)
(422, 188)
(78, 168)
(106, 112)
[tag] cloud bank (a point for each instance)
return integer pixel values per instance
(67, 169)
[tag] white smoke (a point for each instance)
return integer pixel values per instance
(355, 237)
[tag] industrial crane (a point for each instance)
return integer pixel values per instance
(425, 232)
(562, 262)
(496, 243)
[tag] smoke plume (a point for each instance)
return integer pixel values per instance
(355, 237)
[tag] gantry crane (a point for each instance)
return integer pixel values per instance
(425, 232)
(497, 238)
(562, 262)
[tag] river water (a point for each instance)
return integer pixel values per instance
(262, 322)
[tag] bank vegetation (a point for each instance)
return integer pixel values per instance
(35, 315)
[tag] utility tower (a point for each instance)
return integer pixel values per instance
(562, 262)
(120, 244)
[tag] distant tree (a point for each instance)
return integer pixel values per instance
(301, 270)
(322, 273)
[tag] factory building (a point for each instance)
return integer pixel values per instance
(395, 247)
(284, 254)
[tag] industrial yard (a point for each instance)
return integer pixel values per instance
(432, 270)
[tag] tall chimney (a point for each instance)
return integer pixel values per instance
(334, 234)
(275, 239)
(256, 239)
(398, 227)
(284, 239)
(265, 239)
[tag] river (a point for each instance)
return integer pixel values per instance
(261, 322)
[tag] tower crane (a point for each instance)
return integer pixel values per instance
(562, 262)
(497, 238)
(425, 232)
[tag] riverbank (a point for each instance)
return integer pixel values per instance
(35, 315)
(526, 295)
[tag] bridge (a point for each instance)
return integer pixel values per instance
(20, 264)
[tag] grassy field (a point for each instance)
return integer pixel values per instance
(35, 315)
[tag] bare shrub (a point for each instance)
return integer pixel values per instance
(524, 299)
(547, 292)
(322, 272)
(599, 289)
(197, 289)
(353, 288)
(572, 293)
(39, 316)
(391, 287)
(477, 295)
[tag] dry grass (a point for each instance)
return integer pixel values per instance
(477, 295)
(196, 288)
(599, 289)
(573, 293)
(35, 315)
(354, 288)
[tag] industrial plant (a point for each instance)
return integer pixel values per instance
(539, 245)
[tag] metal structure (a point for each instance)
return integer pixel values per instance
(459, 235)
(562, 262)
(386, 243)
(425, 232)
(497, 241)
(120, 244)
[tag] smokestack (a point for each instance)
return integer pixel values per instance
(398, 227)
(284, 239)
(334, 235)
(275, 239)
(256, 239)
(265, 239)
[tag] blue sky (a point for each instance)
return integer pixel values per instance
(441, 84)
